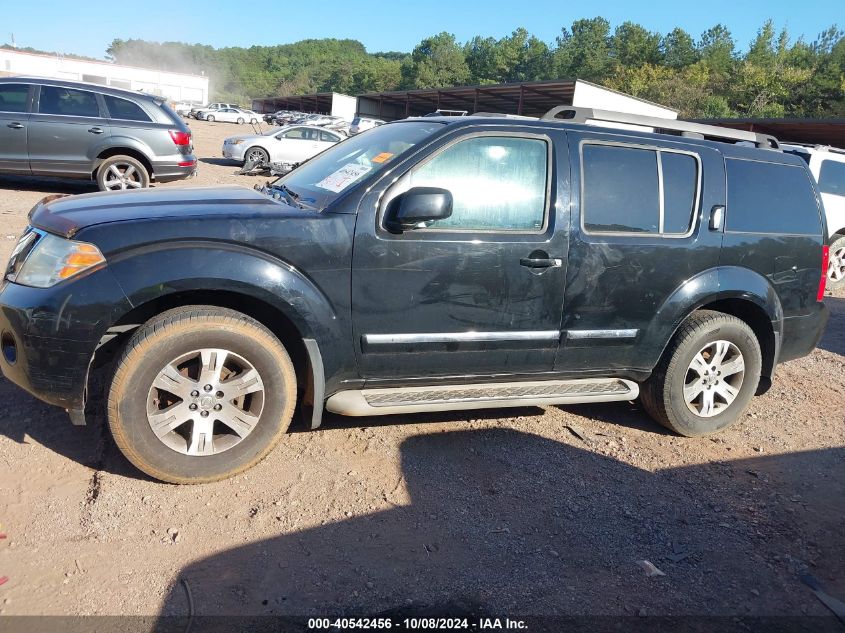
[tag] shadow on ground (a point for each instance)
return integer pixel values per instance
(47, 185)
(512, 523)
(833, 339)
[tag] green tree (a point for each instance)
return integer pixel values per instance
(679, 49)
(584, 51)
(717, 48)
(436, 62)
(632, 45)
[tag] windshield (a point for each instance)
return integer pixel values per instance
(323, 178)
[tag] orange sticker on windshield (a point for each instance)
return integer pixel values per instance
(382, 158)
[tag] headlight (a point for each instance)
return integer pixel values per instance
(236, 141)
(54, 259)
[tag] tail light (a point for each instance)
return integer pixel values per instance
(180, 138)
(823, 281)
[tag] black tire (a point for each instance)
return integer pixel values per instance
(240, 121)
(254, 121)
(256, 154)
(181, 331)
(210, 118)
(122, 172)
(662, 394)
(836, 266)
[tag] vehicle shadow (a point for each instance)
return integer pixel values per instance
(47, 185)
(225, 162)
(509, 523)
(833, 339)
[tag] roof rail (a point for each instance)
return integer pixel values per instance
(685, 128)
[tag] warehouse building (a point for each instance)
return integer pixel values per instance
(170, 85)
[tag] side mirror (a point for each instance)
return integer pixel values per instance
(417, 207)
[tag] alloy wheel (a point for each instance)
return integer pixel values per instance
(836, 264)
(122, 176)
(714, 378)
(205, 402)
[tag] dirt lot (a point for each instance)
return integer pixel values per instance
(510, 511)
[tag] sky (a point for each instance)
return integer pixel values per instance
(87, 28)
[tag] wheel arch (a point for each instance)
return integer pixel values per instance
(308, 370)
(123, 151)
(737, 291)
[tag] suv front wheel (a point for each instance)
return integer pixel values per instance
(200, 394)
(707, 375)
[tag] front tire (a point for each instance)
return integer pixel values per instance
(210, 118)
(122, 172)
(836, 264)
(256, 155)
(240, 121)
(200, 394)
(706, 377)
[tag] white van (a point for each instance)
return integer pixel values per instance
(828, 167)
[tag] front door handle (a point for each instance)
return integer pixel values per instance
(95, 130)
(541, 262)
(15, 125)
(717, 217)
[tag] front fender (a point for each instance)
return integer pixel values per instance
(161, 269)
(715, 284)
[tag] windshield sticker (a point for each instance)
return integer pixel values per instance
(343, 177)
(382, 158)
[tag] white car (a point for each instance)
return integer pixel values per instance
(230, 115)
(827, 165)
(183, 108)
(291, 144)
(362, 124)
(211, 106)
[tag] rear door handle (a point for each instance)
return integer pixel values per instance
(717, 217)
(95, 130)
(15, 125)
(541, 262)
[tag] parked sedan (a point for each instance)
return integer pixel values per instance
(230, 115)
(292, 144)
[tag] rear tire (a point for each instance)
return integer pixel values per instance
(836, 263)
(706, 376)
(171, 433)
(122, 172)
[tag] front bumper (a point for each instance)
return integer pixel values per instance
(234, 152)
(49, 335)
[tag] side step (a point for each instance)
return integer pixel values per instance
(480, 396)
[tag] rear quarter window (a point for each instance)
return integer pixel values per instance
(770, 198)
(832, 177)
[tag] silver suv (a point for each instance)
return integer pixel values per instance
(70, 129)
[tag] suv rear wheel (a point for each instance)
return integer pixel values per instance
(122, 172)
(707, 375)
(200, 394)
(836, 263)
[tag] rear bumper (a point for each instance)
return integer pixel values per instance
(169, 170)
(802, 333)
(49, 335)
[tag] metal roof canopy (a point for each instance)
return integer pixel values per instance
(320, 102)
(814, 131)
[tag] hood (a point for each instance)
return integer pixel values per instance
(67, 215)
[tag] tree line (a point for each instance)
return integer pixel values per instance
(709, 76)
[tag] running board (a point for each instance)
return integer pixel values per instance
(480, 396)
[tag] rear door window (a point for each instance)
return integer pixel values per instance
(68, 102)
(770, 198)
(125, 109)
(832, 177)
(13, 97)
(638, 190)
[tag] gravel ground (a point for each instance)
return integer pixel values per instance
(527, 511)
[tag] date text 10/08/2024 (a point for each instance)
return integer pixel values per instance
(431, 624)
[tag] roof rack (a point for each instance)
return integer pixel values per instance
(685, 128)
